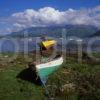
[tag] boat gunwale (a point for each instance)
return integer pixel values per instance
(37, 68)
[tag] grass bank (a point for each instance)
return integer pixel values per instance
(73, 81)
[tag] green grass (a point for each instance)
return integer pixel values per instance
(13, 88)
(74, 81)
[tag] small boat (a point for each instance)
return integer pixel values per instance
(45, 69)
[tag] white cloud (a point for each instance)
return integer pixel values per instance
(49, 16)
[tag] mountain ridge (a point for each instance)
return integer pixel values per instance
(81, 31)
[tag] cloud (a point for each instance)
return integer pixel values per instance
(49, 16)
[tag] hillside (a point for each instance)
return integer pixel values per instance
(96, 34)
(81, 31)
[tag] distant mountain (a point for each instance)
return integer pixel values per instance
(96, 34)
(81, 31)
